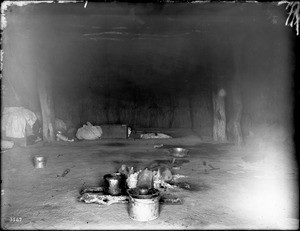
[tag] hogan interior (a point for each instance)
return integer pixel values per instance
(156, 68)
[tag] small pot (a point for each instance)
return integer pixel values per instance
(179, 152)
(114, 184)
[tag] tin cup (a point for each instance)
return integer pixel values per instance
(39, 161)
(114, 184)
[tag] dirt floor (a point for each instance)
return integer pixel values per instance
(232, 194)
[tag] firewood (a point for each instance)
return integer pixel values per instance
(92, 189)
(102, 199)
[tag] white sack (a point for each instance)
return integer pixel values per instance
(89, 132)
(5, 144)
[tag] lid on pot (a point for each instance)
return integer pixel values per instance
(143, 193)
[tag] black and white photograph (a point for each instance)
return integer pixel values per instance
(149, 115)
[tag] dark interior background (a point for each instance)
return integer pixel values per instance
(150, 65)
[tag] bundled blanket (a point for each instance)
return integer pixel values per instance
(15, 120)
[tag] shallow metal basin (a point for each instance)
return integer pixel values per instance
(179, 152)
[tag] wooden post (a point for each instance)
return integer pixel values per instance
(48, 116)
(235, 121)
(219, 116)
(234, 125)
(191, 109)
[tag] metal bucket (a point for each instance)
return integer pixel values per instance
(39, 161)
(143, 207)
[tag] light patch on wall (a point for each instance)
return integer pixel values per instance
(107, 32)
(120, 28)
(200, 1)
(6, 4)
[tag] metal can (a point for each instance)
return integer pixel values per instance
(39, 161)
(114, 184)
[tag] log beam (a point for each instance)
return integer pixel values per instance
(234, 125)
(47, 107)
(219, 116)
(235, 122)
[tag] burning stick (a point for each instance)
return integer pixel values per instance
(92, 189)
(65, 172)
